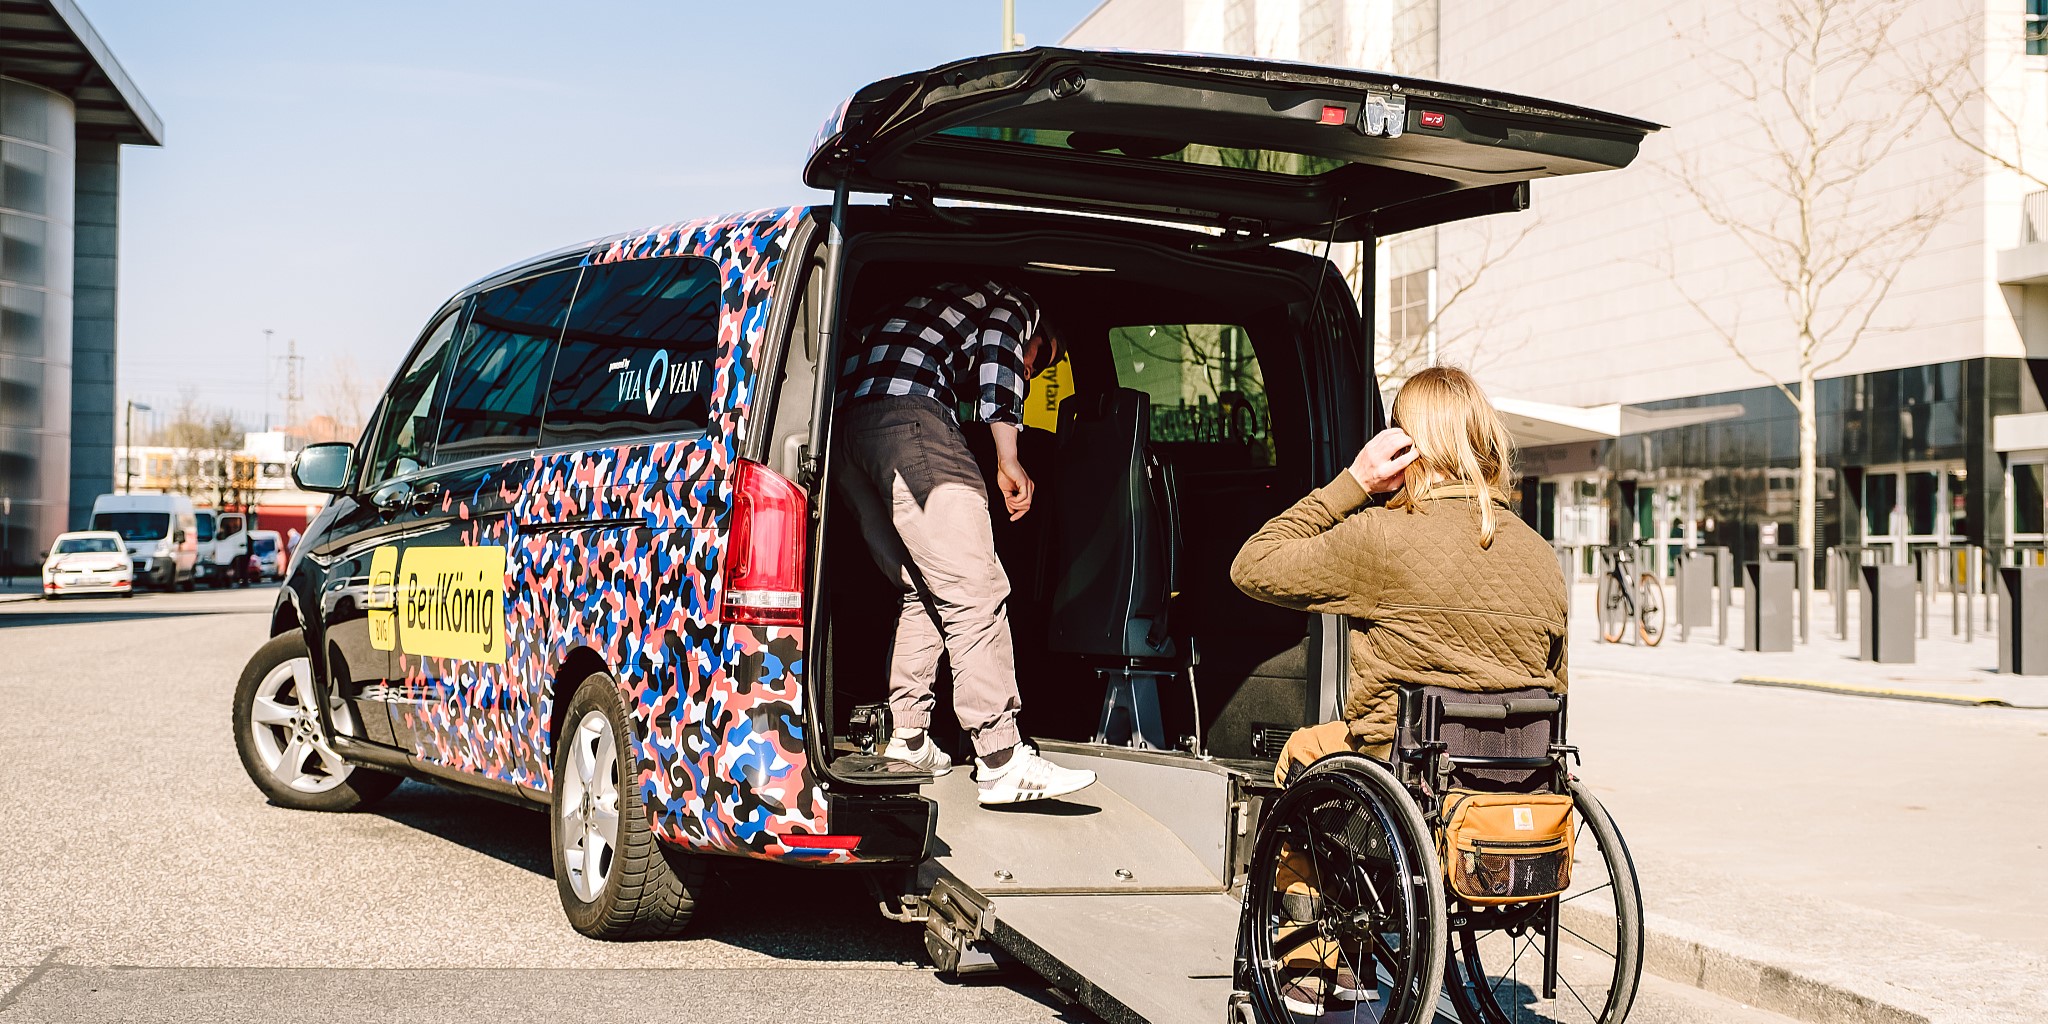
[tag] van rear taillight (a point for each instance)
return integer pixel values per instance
(764, 562)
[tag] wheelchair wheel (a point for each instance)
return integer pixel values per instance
(1496, 970)
(1344, 909)
(1612, 608)
(1650, 609)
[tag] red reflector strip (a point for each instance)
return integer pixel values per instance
(1333, 115)
(803, 842)
(1432, 119)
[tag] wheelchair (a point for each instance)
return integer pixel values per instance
(1348, 914)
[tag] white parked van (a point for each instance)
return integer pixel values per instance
(162, 534)
(231, 548)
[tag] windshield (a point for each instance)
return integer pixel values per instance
(86, 545)
(135, 525)
(263, 545)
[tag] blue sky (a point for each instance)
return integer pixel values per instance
(333, 171)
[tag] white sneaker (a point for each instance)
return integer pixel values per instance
(928, 757)
(1027, 776)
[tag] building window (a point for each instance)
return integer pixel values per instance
(1408, 309)
(1241, 27)
(2037, 27)
(1322, 32)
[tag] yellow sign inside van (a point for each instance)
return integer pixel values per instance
(451, 603)
(1042, 405)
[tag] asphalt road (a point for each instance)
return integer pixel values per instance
(147, 880)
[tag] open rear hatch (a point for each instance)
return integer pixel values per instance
(1261, 148)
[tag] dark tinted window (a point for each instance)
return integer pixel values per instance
(205, 528)
(494, 394)
(638, 353)
(135, 525)
(404, 438)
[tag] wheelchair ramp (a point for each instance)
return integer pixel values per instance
(1116, 894)
(1130, 958)
(1096, 840)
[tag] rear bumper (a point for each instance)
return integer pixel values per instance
(93, 584)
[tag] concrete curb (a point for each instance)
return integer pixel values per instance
(1880, 692)
(1823, 961)
(1751, 981)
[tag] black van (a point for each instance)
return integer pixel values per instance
(579, 559)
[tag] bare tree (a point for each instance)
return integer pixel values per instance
(1474, 335)
(345, 400)
(1993, 123)
(1827, 97)
(205, 447)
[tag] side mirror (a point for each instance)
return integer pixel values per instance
(323, 467)
(42, 555)
(177, 536)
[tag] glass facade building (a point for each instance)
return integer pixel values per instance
(1905, 459)
(38, 149)
(66, 109)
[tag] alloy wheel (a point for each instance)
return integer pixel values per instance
(287, 734)
(589, 806)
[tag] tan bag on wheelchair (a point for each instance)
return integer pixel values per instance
(1507, 847)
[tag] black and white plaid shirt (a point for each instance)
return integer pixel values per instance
(952, 342)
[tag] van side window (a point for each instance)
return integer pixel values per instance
(404, 438)
(638, 354)
(1206, 388)
(494, 394)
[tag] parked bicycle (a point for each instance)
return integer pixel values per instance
(1629, 597)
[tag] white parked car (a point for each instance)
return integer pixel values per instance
(89, 562)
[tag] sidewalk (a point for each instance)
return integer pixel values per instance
(1944, 664)
(1828, 857)
(24, 588)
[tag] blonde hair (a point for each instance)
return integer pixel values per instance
(1459, 439)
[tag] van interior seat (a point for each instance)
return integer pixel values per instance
(1116, 535)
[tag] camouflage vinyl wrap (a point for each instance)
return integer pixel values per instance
(616, 551)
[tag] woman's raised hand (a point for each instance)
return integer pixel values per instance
(1381, 462)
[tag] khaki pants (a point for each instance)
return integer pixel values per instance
(923, 508)
(1295, 874)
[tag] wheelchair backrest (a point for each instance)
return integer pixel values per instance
(1496, 742)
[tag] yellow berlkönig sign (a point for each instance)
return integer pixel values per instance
(451, 603)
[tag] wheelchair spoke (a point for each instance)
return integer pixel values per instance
(1588, 942)
(1588, 892)
(1575, 995)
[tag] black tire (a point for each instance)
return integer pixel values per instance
(354, 787)
(1650, 609)
(1609, 922)
(1612, 609)
(1378, 894)
(648, 889)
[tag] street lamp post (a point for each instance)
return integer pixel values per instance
(1011, 40)
(128, 447)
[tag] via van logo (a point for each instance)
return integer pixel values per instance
(657, 375)
(661, 377)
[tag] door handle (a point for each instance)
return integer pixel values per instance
(425, 497)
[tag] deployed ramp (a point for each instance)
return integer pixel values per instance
(1118, 893)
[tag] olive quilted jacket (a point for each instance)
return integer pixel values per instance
(1427, 604)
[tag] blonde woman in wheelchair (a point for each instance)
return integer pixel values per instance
(1443, 585)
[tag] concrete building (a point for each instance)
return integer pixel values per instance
(1597, 318)
(66, 109)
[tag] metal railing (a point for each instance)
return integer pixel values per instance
(2034, 218)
